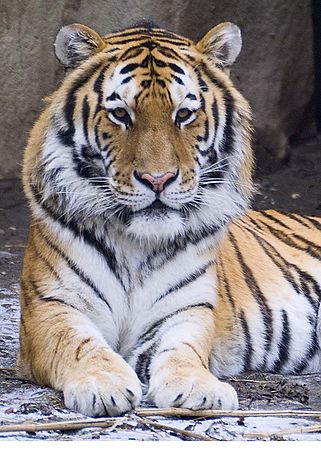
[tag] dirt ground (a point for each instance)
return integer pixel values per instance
(292, 185)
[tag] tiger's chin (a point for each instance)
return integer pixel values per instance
(152, 227)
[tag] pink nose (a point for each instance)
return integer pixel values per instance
(156, 183)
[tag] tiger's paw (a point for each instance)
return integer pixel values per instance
(102, 392)
(196, 389)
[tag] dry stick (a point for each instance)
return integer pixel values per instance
(93, 423)
(301, 430)
(144, 412)
(59, 426)
(185, 433)
(213, 413)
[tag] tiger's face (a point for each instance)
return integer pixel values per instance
(148, 132)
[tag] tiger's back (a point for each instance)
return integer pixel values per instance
(269, 285)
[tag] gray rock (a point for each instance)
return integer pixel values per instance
(274, 71)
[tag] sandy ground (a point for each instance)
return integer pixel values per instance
(293, 185)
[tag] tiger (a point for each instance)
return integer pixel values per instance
(146, 274)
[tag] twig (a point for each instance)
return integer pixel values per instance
(170, 412)
(59, 426)
(184, 433)
(212, 413)
(244, 380)
(299, 430)
(14, 245)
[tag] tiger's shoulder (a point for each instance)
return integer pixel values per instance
(270, 249)
(295, 230)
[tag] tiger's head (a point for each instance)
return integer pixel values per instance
(146, 133)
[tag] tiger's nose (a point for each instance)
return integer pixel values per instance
(156, 182)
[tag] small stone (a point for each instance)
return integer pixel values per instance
(10, 411)
(3, 273)
(13, 231)
(295, 195)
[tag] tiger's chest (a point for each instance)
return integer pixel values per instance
(125, 289)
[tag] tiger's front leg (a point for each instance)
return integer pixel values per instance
(62, 348)
(179, 371)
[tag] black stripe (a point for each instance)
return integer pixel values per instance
(203, 86)
(307, 282)
(204, 232)
(127, 41)
(87, 152)
(134, 32)
(143, 362)
(107, 253)
(311, 247)
(305, 279)
(215, 116)
(153, 330)
(72, 265)
(48, 298)
(176, 43)
(129, 68)
(96, 131)
(274, 219)
(185, 281)
(127, 80)
(144, 84)
(146, 61)
(98, 89)
(170, 53)
(87, 168)
(313, 221)
(311, 350)
(227, 144)
(284, 344)
(52, 175)
(254, 222)
(158, 32)
(24, 294)
(49, 266)
(67, 135)
(256, 293)
(112, 97)
(226, 285)
(158, 62)
(147, 33)
(206, 131)
(300, 220)
(85, 116)
(161, 82)
(274, 255)
(178, 80)
(132, 52)
(248, 342)
(176, 68)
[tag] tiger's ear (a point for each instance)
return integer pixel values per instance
(222, 44)
(75, 43)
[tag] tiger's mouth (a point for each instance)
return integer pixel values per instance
(157, 211)
(157, 207)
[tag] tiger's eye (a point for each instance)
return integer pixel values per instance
(120, 113)
(183, 116)
(183, 113)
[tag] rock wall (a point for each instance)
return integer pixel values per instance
(274, 70)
